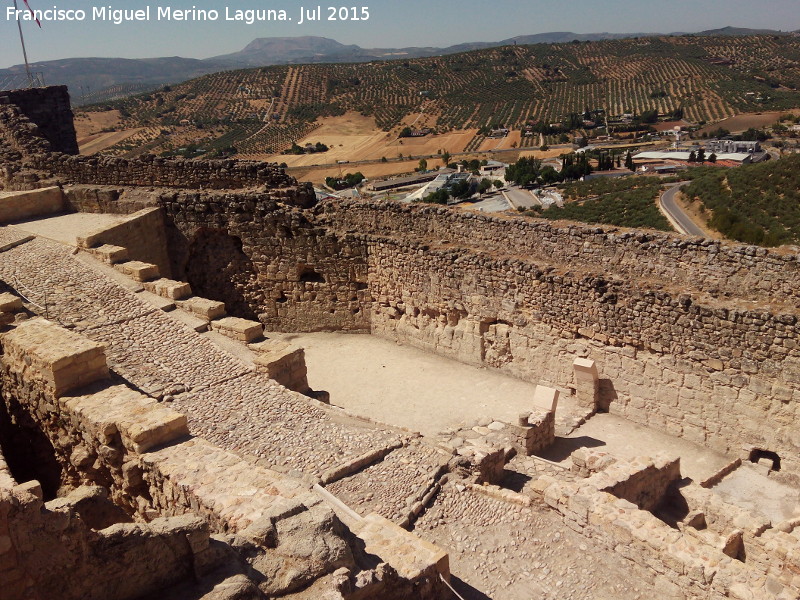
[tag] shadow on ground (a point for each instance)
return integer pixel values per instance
(563, 447)
(466, 590)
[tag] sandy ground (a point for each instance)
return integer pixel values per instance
(622, 438)
(353, 137)
(370, 171)
(66, 228)
(404, 386)
(512, 140)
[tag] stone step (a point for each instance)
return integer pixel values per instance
(198, 324)
(238, 329)
(203, 307)
(140, 271)
(168, 288)
(111, 254)
(10, 303)
(159, 302)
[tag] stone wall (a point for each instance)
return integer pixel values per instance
(266, 259)
(26, 205)
(153, 171)
(53, 553)
(712, 370)
(681, 563)
(108, 435)
(661, 260)
(709, 373)
(38, 142)
(49, 108)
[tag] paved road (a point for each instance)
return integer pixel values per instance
(671, 207)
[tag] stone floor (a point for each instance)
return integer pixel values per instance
(66, 228)
(510, 552)
(405, 386)
(224, 400)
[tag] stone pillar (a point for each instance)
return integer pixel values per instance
(587, 383)
(543, 396)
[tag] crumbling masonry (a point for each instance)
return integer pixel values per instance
(695, 338)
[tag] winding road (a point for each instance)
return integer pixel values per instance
(676, 215)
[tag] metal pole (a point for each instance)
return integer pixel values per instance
(24, 51)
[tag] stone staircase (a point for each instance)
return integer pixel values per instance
(210, 314)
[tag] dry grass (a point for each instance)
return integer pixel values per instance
(353, 137)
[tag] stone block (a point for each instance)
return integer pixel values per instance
(238, 329)
(139, 271)
(546, 396)
(111, 254)
(142, 422)
(61, 359)
(412, 557)
(168, 288)
(10, 303)
(587, 382)
(203, 307)
(18, 206)
(285, 365)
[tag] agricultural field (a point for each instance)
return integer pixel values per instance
(353, 137)
(755, 204)
(624, 202)
(708, 79)
(746, 121)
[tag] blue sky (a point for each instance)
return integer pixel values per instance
(393, 23)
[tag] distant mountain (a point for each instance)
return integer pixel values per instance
(281, 50)
(739, 31)
(99, 79)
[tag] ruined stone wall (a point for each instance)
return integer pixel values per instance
(709, 266)
(266, 259)
(718, 376)
(38, 142)
(149, 170)
(682, 563)
(49, 108)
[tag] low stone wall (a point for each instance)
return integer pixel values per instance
(116, 438)
(26, 205)
(152, 171)
(143, 235)
(48, 551)
(644, 482)
(681, 564)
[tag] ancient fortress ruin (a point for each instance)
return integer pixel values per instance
(156, 444)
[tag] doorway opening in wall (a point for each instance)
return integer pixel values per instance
(27, 451)
(757, 455)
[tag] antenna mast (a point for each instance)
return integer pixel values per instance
(24, 51)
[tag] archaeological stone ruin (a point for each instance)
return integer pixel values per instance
(161, 435)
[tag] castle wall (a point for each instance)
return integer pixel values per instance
(269, 261)
(153, 171)
(717, 376)
(49, 108)
(653, 259)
